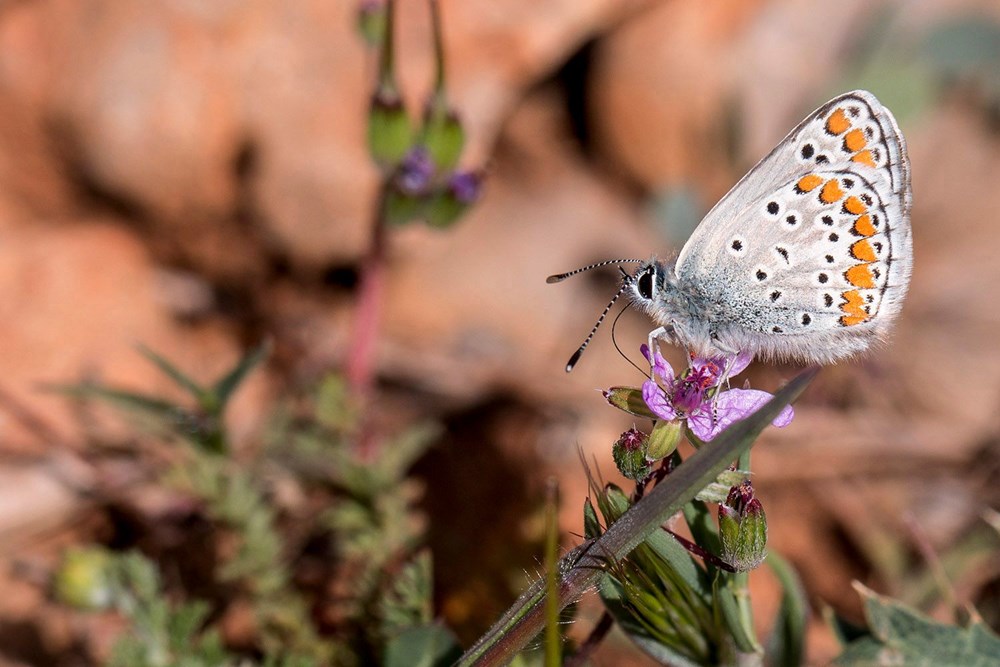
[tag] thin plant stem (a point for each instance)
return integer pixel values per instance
(701, 553)
(553, 639)
(590, 644)
(371, 287)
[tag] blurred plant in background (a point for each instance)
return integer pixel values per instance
(370, 599)
(419, 175)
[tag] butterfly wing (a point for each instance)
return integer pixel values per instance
(809, 255)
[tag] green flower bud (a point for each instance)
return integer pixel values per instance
(444, 135)
(83, 579)
(390, 133)
(371, 21)
(402, 208)
(664, 439)
(445, 207)
(628, 399)
(629, 453)
(743, 529)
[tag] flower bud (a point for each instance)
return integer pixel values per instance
(401, 208)
(390, 134)
(461, 191)
(371, 21)
(443, 134)
(743, 529)
(413, 177)
(663, 440)
(629, 453)
(411, 185)
(628, 399)
(83, 579)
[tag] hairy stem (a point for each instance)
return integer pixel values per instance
(582, 567)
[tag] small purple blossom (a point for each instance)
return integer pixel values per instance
(689, 396)
(465, 186)
(415, 171)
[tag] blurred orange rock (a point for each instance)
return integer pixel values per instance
(692, 94)
(77, 296)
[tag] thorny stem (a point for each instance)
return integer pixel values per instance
(582, 567)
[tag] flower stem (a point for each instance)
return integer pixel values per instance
(439, 67)
(590, 644)
(583, 566)
(698, 551)
(360, 369)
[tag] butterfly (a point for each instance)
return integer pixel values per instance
(807, 258)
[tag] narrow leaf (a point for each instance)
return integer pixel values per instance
(174, 373)
(786, 646)
(226, 385)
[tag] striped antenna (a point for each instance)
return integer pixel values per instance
(559, 277)
(626, 281)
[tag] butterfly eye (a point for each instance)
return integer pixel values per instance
(645, 284)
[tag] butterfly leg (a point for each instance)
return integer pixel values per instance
(660, 333)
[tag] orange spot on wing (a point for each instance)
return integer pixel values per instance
(861, 276)
(853, 307)
(863, 226)
(862, 250)
(837, 122)
(855, 206)
(831, 192)
(854, 140)
(864, 157)
(809, 183)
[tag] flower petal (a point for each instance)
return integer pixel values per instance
(657, 401)
(731, 406)
(739, 363)
(660, 366)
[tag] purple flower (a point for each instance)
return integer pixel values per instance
(689, 396)
(415, 171)
(465, 186)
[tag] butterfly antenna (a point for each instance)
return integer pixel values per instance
(579, 352)
(559, 277)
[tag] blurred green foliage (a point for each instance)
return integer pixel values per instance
(378, 587)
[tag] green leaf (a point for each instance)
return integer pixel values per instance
(425, 646)
(126, 399)
(225, 387)
(681, 562)
(407, 601)
(613, 596)
(553, 638)
(591, 524)
(903, 636)
(786, 645)
(703, 527)
(729, 607)
(175, 374)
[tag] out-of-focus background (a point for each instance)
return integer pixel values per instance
(193, 177)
